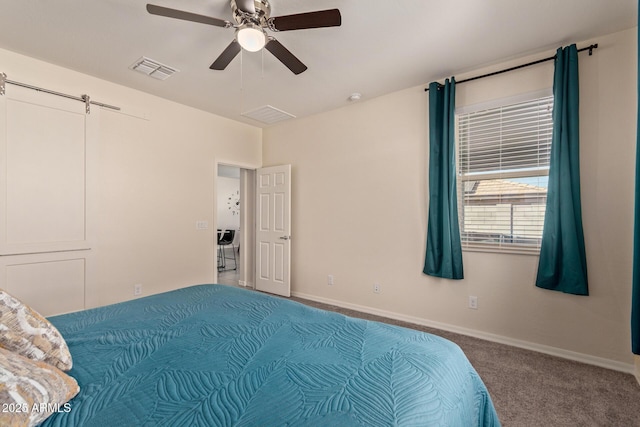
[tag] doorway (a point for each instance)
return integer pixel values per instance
(235, 224)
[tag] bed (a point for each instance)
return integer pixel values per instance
(214, 355)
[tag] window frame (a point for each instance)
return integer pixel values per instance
(495, 247)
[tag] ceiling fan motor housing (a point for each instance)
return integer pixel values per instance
(259, 15)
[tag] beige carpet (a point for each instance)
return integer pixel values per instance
(531, 389)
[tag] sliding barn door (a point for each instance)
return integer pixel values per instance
(273, 230)
(45, 151)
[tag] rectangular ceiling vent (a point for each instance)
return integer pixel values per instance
(153, 68)
(268, 114)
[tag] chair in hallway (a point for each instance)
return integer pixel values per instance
(225, 238)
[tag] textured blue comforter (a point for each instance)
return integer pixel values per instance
(212, 355)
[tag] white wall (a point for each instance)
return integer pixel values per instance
(154, 178)
(360, 207)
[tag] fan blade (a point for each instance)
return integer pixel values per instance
(301, 21)
(226, 56)
(185, 16)
(247, 6)
(286, 57)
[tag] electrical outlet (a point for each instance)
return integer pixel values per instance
(473, 302)
(330, 280)
(377, 288)
(137, 290)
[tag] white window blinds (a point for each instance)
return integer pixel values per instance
(503, 166)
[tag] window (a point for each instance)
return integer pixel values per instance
(503, 159)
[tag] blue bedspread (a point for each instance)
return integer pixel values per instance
(212, 355)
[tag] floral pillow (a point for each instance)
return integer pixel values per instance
(30, 391)
(26, 332)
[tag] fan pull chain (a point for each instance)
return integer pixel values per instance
(241, 81)
(241, 70)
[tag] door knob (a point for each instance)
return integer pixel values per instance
(285, 237)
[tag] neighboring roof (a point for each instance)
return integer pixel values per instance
(503, 186)
(502, 190)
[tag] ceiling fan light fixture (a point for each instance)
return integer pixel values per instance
(251, 37)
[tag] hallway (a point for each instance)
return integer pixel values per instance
(230, 276)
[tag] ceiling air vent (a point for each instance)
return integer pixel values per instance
(268, 114)
(153, 68)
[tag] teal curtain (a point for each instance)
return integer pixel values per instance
(635, 299)
(563, 264)
(444, 252)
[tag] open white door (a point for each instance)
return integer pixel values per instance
(273, 230)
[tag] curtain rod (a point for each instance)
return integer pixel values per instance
(517, 67)
(83, 98)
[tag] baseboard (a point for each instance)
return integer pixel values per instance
(553, 351)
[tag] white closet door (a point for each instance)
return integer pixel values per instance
(45, 154)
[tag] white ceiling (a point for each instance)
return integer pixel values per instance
(382, 46)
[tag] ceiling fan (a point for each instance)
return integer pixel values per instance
(252, 19)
